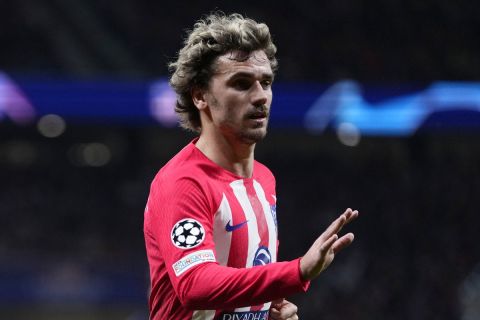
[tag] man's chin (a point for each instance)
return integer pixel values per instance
(254, 136)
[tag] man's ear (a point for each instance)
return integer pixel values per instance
(199, 98)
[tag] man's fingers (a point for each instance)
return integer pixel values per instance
(347, 213)
(287, 311)
(333, 228)
(278, 303)
(343, 242)
(328, 244)
(349, 216)
(274, 313)
(352, 216)
(338, 224)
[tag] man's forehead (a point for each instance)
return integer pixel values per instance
(234, 59)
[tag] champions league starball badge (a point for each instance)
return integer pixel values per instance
(187, 233)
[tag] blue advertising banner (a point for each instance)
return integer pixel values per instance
(393, 110)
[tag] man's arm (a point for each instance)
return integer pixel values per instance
(198, 280)
(207, 285)
(210, 285)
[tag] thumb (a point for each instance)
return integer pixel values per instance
(278, 303)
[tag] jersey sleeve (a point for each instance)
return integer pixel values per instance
(198, 280)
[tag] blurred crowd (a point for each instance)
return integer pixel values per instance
(71, 229)
(415, 238)
(76, 231)
(325, 41)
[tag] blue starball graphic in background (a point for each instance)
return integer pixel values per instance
(400, 115)
(344, 106)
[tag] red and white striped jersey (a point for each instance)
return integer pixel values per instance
(211, 241)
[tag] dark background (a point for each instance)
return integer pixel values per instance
(71, 242)
(325, 41)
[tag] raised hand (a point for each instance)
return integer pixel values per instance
(324, 249)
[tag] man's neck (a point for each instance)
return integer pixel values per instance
(231, 155)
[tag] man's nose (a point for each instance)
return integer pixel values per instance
(259, 94)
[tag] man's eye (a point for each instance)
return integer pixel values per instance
(266, 84)
(241, 84)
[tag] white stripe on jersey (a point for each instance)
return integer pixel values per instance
(221, 238)
(266, 306)
(253, 237)
(203, 315)
(272, 233)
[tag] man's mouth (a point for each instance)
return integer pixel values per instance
(258, 115)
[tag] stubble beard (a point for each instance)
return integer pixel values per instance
(253, 135)
(246, 133)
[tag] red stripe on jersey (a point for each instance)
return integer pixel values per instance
(259, 214)
(238, 258)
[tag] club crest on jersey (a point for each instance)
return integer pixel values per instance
(262, 257)
(187, 233)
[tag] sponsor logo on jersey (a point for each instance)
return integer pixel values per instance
(248, 315)
(187, 233)
(193, 259)
(229, 227)
(262, 256)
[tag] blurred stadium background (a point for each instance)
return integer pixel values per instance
(376, 107)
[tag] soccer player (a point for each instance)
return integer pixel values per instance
(210, 221)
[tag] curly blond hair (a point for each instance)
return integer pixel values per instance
(211, 37)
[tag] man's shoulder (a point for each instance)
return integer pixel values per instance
(262, 170)
(184, 165)
(186, 175)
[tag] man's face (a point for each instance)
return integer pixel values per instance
(240, 94)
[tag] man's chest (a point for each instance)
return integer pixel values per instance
(245, 227)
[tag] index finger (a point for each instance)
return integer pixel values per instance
(349, 216)
(337, 225)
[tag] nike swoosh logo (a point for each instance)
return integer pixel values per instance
(230, 228)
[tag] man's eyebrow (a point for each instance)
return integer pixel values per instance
(245, 74)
